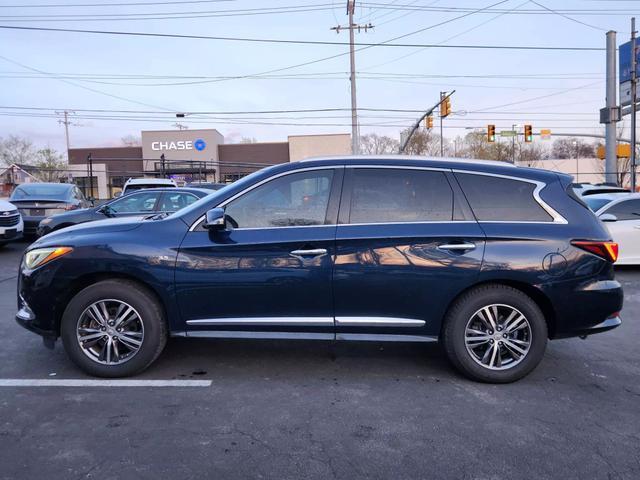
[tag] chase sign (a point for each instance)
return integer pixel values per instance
(199, 145)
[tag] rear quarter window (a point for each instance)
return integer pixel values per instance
(501, 199)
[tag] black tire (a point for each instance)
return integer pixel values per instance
(464, 308)
(150, 313)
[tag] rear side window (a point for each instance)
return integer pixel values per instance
(501, 199)
(627, 210)
(400, 195)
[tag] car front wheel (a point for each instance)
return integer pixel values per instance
(113, 328)
(495, 333)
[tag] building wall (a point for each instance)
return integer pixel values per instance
(188, 145)
(305, 146)
(244, 158)
(582, 170)
(119, 161)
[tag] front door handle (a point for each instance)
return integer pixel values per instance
(457, 246)
(314, 252)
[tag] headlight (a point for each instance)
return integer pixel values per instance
(39, 256)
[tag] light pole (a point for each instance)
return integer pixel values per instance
(575, 148)
(513, 142)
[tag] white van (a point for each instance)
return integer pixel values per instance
(141, 183)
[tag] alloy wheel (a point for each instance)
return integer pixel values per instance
(498, 337)
(110, 332)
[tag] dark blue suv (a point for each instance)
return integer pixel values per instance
(488, 258)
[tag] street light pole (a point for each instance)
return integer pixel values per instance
(634, 80)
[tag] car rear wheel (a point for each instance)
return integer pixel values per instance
(114, 328)
(495, 334)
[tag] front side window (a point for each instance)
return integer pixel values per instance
(501, 199)
(385, 195)
(298, 199)
(142, 202)
(627, 210)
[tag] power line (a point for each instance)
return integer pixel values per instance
(316, 42)
(556, 12)
(126, 4)
(162, 15)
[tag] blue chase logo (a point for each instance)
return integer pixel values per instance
(199, 144)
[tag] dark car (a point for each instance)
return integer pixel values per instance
(36, 201)
(141, 202)
(489, 258)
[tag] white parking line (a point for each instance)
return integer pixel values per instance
(50, 382)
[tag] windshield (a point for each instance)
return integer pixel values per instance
(142, 186)
(596, 204)
(41, 191)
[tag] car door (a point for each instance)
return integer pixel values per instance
(626, 229)
(406, 244)
(135, 204)
(270, 269)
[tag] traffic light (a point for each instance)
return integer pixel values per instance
(491, 133)
(528, 134)
(428, 122)
(445, 105)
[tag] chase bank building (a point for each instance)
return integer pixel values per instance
(191, 155)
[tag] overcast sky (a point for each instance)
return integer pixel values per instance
(561, 90)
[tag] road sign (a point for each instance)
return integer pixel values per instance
(624, 59)
(508, 133)
(545, 134)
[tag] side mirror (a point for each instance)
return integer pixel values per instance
(608, 217)
(215, 219)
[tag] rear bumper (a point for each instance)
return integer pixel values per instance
(31, 224)
(591, 308)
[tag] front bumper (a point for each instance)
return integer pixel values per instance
(26, 318)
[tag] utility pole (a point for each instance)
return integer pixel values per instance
(66, 124)
(355, 140)
(611, 159)
(442, 95)
(634, 80)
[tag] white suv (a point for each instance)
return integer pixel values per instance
(11, 225)
(141, 183)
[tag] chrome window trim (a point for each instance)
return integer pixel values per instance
(262, 182)
(557, 218)
(378, 322)
(265, 321)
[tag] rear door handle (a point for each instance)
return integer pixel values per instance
(314, 252)
(457, 246)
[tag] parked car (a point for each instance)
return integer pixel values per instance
(489, 258)
(621, 214)
(138, 203)
(141, 183)
(207, 185)
(586, 189)
(36, 201)
(11, 225)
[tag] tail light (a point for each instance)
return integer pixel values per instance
(606, 250)
(70, 206)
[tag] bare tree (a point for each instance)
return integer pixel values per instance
(572, 148)
(51, 165)
(131, 141)
(475, 145)
(373, 144)
(425, 142)
(16, 149)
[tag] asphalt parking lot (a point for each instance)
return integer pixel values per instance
(294, 410)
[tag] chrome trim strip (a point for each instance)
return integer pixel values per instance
(266, 321)
(378, 322)
(366, 337)
(261, 335)
(557, 218)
